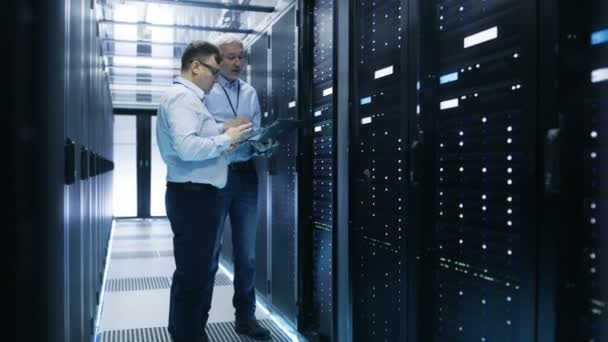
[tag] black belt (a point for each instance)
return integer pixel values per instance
(242, 166)
(190, 186)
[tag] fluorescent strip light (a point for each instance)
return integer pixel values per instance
(292, 104)
(366, 120)
(159, 14)
(143, 61)
(128, 70)
(481, 37)
(366, 100)
(318, 128)
(318, 113)
(139, 87)
(126, 12)
(328, 91)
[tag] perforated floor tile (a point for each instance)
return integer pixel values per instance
(136, 299)
(135, 268)
(148, 309)
(144, 254)
(153, 283)
(143, 236)
(217, 332)
(141, 245)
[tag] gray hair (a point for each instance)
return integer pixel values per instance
(227, 39)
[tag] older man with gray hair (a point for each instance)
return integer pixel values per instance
(233, 102)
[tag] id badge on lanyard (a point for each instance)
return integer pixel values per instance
(238, 92)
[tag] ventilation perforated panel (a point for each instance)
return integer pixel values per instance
(141, 254)
(217, 332)
(153, 283)
(143, 237)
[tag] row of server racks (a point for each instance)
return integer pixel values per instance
(62, 153)
(449, 179)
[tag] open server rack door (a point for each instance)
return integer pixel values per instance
(321, 115)
(379, 170)
(258, 57)
(282, 169)
(484, 115)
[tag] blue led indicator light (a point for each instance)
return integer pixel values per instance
(599, 37)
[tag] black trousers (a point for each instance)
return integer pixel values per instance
(195, 216)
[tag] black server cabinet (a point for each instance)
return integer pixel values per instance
(62, 166)
(258, 58)
(594, 202)
(321, 116)
(484, 118)
(282, 169)
(378, 180)
(75, 195)
(576, 172)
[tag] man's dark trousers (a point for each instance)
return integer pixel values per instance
(195, 216)
(239, 201)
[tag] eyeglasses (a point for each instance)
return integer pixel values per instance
(214, 71)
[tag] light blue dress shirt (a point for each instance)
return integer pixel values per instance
(244, 100)
(191, 142)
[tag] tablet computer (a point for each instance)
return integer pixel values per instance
(273, 131)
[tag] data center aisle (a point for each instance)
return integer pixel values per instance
(136, 298)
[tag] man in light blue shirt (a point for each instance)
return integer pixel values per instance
(232, 102)
(195, 148)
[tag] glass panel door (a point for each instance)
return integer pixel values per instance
(125, 165)
(157, 177)
(140, 172)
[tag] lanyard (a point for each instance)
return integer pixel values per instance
(238, 92)
(185, 85)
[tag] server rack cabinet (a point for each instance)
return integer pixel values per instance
(59, 216)
(258, 77)
(419, 254)
(317, 172)
(581, 149)
(272, 57)
(39, 143)
(75, 195)
(341, 287)
(484, 116)
(572, 278)
(379, 165)
(595, 196)
(282, 169)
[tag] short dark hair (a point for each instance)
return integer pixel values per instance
(200, 49)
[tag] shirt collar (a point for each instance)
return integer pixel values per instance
(227, 84)
(188, 84)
